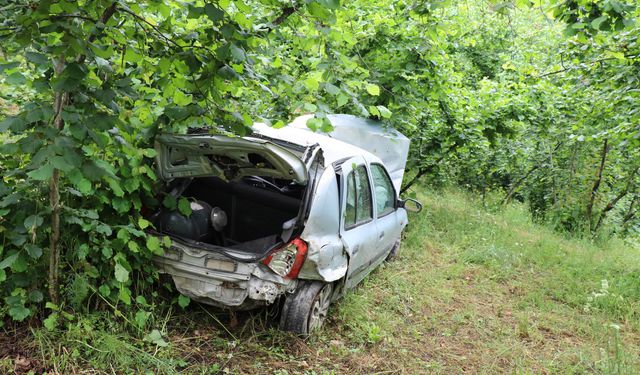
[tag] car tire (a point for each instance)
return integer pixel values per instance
(393, 254)
(306, 309)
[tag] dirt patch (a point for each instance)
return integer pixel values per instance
(18, 351)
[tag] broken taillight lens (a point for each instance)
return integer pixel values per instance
(287, 260)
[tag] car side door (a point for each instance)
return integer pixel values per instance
(358, 229)
(389, 220)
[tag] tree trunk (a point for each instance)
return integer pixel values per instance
(421, 172)
(630, 211)
(596, 184)
(60, 100)
(515, 186)
(554, 184)
(54, 199)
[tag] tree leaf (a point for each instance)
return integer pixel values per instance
(124, 295)
(133, 246)
(121, 273)
(331, 4)
(33, 221)
(384, 112)
(70, 79)
(373, 89)
(60, 163)
(170, 202)
(104, 290)
(181, 98)
(153, 244)
(19, 313)
(43, 173)
(214, 13)
(331, 89)
(596, 23)
(36, 57)
(20, 264)
(33, 250)
(237, 53)
(115, 187)
(143, 223)
(319, 11)
(8, 261)
(374, 110)
(36, 296)
(183, 301)
(155, 337)
(11, 122)
(16, 79)
(342, 99)
(123, 234)
(51, 322)
(104, 229)
(84, 186)
(184, 206)
(141, 318)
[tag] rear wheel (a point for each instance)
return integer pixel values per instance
(393, 254)
(306, 309)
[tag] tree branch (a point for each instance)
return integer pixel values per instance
(286, 12)
(79, 16)
(630, 57)
(106, 15)
(515, 186)
(153, 27)
(615, 200)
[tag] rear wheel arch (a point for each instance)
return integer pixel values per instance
(308, 303)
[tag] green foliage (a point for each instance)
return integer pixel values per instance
(99, 344)
(537, 106)
(92, 84)
(183, 301)
(494, 95)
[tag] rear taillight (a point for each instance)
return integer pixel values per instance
(287, 260)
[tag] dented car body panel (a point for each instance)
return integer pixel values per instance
(326, 257)
(215, 279)
(349, 216)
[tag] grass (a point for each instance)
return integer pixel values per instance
(473, 291)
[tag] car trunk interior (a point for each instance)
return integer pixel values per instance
(255, 208)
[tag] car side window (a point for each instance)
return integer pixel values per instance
(359, 207)
(384, 191)
(350, 210)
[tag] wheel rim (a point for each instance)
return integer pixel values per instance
(320, 308)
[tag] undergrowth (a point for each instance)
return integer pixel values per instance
(476, 288)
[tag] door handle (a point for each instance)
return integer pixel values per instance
(381, 235)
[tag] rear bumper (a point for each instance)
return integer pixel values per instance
(249, 285)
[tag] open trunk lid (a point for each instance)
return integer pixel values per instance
(229, 158)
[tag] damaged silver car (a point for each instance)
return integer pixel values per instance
(284, 214)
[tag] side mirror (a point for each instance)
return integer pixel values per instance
(411, 205)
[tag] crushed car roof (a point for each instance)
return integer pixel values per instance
(350, 136)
